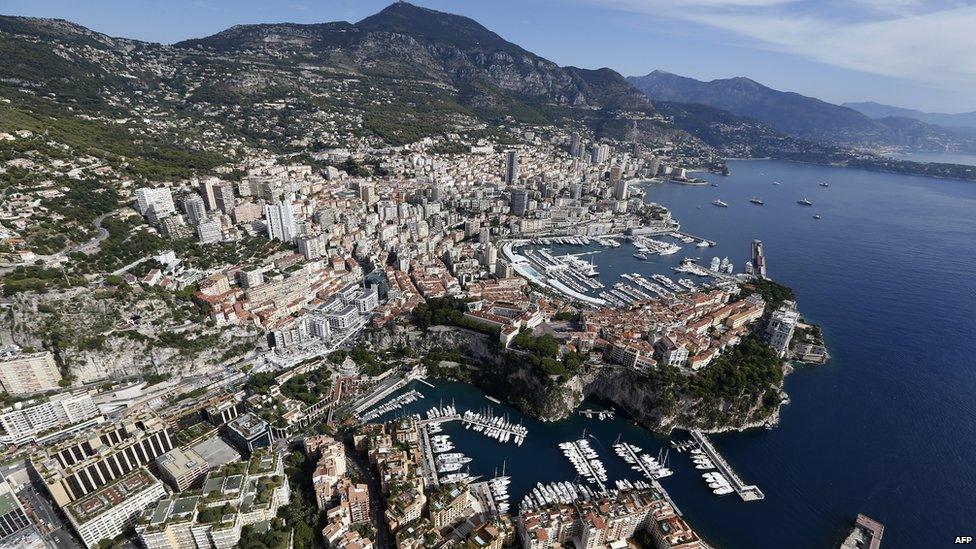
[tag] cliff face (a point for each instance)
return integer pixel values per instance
(662, 409)
(658, 406)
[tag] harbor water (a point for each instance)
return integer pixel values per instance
(887, 428)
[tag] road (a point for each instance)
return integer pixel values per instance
(377, 506)
(87, 248)
(91, 246)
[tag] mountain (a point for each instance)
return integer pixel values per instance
(879, 110)
(407, 41)
(801, 116)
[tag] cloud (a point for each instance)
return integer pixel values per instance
(930, 42)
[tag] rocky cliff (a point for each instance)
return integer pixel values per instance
(659, 403)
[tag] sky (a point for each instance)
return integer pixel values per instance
(909, 53)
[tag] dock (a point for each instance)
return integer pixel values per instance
(428, 467)
(748, 492)
(629, 449)
(584, 467)
(866, 534)
(599, 414)
(686, 234)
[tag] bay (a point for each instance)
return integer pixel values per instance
(887, 428)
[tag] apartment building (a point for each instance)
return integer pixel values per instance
(23, 421)
(108, 511)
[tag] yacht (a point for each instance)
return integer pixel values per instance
(816, 216)
(719, 203)
(640, 256)
(824, 184)
(777, 183)
(804, 202)
(757, 201)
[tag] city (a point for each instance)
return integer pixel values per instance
(275, 287)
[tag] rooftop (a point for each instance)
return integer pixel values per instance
(113, 494)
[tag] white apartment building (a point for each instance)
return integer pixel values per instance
(20, 422)
(781, 325)
(159, 200)
(106, 513)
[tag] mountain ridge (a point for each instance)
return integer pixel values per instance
(801, 116)
(877, 110)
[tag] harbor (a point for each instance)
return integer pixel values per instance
(453, 450)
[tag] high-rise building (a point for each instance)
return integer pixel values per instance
(26, 373)
(313, 246)
(519, 202)
(281, 220)
(758, 259)
(653, 166)
(206, 187)
(209, 230)
(367, 193)
(600, 153)
(511, 166)
(616, 173)
(224, 197)
(575, 146)
(621, 189)
(156, 202)
(576, 191)
(195, 209)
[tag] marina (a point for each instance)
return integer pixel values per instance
(395, 404)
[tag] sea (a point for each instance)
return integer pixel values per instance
(886, 428)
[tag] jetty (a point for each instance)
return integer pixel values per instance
(748, 492)
(599, 414)
(628, 450)
(696, 238)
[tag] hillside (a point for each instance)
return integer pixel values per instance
(801, 116)
(402, 74)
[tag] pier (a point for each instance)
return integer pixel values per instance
(748, 492)
(583, 464)
(599, 414)
(629, 450)
(686, 234)
(428, 467)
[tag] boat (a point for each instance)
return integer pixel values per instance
(715, 184)
(640, 256)
(777, 183)
(703, 244)
(719, 203)
(816, 216)
(804, 202)
(757, 201)
(824, 184)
